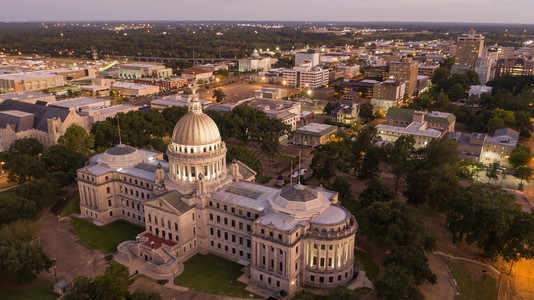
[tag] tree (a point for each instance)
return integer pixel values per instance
(414, 260)
(342, 186)
(61, 158)
(113, 284)
(376, 191)
(399, 156)
(440, 76)
(366, 112)
(218, 95)
(489, 217)
(322, 165)
(20, 259)
(492, 172)
(41, 192)
(386, 223)
(29, 146)
(23, 167)
(397, 284)
(520, 156)
(456, 92)
(77, 139)
(523, 173)
(242, 153)
(495, 123)
(13, 208)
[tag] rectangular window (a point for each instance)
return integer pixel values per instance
(225, 221)
(109, 202)
(176, 226)
(233, 223)
(218, 219)
(211, 217)
(108, 190)
(218, 233)
(233, 238)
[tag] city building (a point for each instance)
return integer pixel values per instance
(352, 96)
(176, 100)
(28, 97)
(469, 48)
(286, 111)
(139, 70)
(313, 134)
(376, 72)
(486, 63)
(349, 71)
(164, 83)
(513, 67)
(22, 82)
(305, 76)
(197, 202)
(423, 126)
(44, 121)
(324, 94)
(427, 69)
(256, 63)
(271, 93)
(214, 67)
(478, 90)
(405, 70)
(100, 114)
(497, 148)
(364, 86)
(96, 90)
(195, 75)
(484, 148)
(134, 89)
(310, 56)
(387, 94)
(346, 113)
(403, 117)
(423, 83)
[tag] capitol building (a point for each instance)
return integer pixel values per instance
(197, 202)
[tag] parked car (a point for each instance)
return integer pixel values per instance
(303, 170)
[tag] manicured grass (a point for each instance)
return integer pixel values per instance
(72, 208)
(42, 292)
(371, 268)
(105, 238)
(483, 288)
(212, 274)
(161, 281)
(263, 179)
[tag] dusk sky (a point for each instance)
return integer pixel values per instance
(480, 11)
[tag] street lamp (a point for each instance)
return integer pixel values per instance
(2, 168)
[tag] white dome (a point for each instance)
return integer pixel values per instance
(196, 129)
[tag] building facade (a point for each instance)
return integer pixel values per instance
(139, 70)
(313, 134)
(469, 48)
(197, 202)
(405, 70)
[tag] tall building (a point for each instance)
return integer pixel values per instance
(387, 94)
(405, 70)
(469, 48)
(306, 76)
(485, 65)
(514, 67)
(311, 56)
(139, 70)
(197, 203)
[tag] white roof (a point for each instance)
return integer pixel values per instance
(76, 102)
(414, 129)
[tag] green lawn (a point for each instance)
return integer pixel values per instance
(469, 288)
(42, 292)
(212, 274)
(105, 238)
(371, 268)
(72, 208)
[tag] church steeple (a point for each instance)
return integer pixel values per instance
(194, 104)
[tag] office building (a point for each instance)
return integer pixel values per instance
(22, 82)
(387, 94)
(256, 63)
(139, 70)
(405, 70)
(468, 49)
(28, 97)
(310, 56)
(514, 67)
(271, 93)
(306, 77)
(313, 134)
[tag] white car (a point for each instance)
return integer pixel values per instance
(303, 170)
(295, 175)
